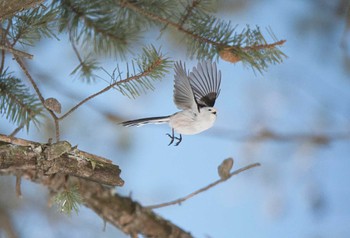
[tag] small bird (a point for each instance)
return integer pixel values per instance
(194, 94)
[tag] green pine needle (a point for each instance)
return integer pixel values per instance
(16, 103)
(151, 65)
(254, 56)
(97, 27)
(32, 25)
(250, 46)
(86, 69)
(69, 200)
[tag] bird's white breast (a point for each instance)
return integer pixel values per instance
(188, 122)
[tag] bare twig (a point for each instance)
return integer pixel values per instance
(268, 134)
(41, 98)
(74, 47)
(15, 131)
(16, 52)
(6, 224)
(3, 35)
(180, 200)
(18, 186)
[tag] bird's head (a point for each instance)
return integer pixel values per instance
(211, 111)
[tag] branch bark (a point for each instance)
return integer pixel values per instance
(9, 8)
(59, 164)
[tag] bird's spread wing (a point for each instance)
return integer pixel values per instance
(205, 82)
(183, 93)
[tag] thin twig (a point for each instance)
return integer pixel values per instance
(16, 52)
(41, 98)
(18, 186)
(268, 134)
(264, 46)
(74, 47)
(180, 200)
(4, 33)
(15, 131)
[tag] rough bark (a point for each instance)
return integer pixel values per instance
(57, 165)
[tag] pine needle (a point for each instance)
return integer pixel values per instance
(16, 103)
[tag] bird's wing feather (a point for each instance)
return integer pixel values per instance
(205, 82)
(183, 93)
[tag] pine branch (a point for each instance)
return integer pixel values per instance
(208, 37)
(86, 67)
(12, 7)
(97, 26)
(16, 103)
(30, 159)
(30, 26)
(151, 65)
(69, 199)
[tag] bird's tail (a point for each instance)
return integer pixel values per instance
(144, 121)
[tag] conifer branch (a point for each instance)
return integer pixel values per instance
(152, 65)
(10, 8)
(67, 167)
(188, 12)
(209, 37)
(97, 26)
(32, 25)
(16, 103)
(86, 66)
(154, 17)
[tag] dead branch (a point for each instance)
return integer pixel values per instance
(180, 200)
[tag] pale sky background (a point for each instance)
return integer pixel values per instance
(301, 189)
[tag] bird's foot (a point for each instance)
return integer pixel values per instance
(172, 138)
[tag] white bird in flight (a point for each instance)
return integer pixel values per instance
(194, 94)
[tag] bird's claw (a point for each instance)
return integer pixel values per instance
(172, 137)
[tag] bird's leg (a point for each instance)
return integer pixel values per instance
(179, 139)
(172, 137)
